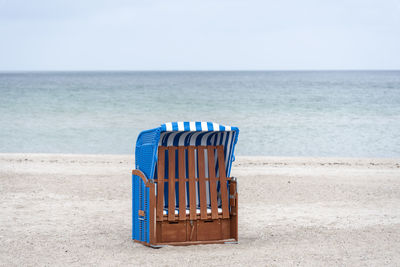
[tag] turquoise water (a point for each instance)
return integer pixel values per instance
(349, 113)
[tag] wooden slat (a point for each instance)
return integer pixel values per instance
(182, 183)
(192, 186)
(202, 183)
(234, 209)
(213, 184)
(171, 183)
(222, 180)
(152, 208)
(160, 183)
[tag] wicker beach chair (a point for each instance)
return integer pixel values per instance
(182, 192)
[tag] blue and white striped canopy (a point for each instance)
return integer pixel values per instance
(183, 134)
(194, 126)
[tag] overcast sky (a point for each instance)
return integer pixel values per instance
(199, 35)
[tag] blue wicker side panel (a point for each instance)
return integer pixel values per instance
(140, 201)
(146, 150)
(145, 158)
(135, 207)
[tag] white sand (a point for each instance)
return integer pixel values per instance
(76, 210)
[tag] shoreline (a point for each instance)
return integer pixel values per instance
(239, 159)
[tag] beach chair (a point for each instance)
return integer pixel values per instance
(182, 192)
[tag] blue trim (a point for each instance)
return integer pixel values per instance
(133, 208)
(186, 126)
(210, 126)
(198, 126)
(175, 126)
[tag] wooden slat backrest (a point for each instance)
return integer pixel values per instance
(192, 183)
(202, 183)
(213, 183)
(171, 183)
(189, 176)
(182, 183)
(222, 179)
(160, 183)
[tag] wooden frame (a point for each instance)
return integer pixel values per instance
(195, 223)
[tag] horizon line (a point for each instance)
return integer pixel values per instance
(199, 70)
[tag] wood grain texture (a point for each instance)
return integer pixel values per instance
(192, 185)
(182, 183)
(160, 183)
(171, 183)
(213, 184)
(202, 184)
(223, 182)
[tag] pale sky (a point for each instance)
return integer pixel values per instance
(199, 35)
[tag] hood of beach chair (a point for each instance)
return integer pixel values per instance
(183, 134)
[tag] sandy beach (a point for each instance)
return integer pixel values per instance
(76, 210)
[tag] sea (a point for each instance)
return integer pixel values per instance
(279, 113)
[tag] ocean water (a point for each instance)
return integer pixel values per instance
(294, 113)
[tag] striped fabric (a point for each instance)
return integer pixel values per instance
(198, 134)
(193, 126)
